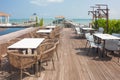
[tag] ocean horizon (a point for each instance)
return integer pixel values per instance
(48, 21)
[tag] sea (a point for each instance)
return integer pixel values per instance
(48, 21)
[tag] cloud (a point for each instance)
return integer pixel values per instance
(56, 1)
(39, 2)
(45, 2)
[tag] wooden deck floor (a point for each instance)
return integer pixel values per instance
(75, 64)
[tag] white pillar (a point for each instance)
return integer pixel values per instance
(8, 19)
(0, 20)
(5, 20)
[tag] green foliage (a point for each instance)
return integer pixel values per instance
(36, 25)
(114, 25)
(117, 27)
(41, 22)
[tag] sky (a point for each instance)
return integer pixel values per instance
(51, 8)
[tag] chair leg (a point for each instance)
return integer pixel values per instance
(53, 64)
(40, 69)
(57, 55)
(106, 53)
(89, 50)
(46, 63)
(118, 57)
(1, 67)
(86, 44)
(99, 52)
(21, 74)
(34, 70)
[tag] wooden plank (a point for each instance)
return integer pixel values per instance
(75, 64)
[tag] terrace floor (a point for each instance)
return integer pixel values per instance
(75, 64)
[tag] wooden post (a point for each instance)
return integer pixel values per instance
(105, 12)
(107, 19)
(96, 24)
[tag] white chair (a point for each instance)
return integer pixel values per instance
(115, 34)
(73, 26)
(112, 46)
(81, 26)
(92, 43)
(78, 31)
(100, 30)
(87, 38)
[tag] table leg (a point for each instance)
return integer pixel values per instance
(103, 51)
(37, 75)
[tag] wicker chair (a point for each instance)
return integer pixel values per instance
(3, 51)
(58, 28)
(35, 35)
(56, 44)
(54, 41)
(43, 35)
(51, 35)
(3, 54)
(21, 61)
(46, 53)
(10, 42)
(57, 35)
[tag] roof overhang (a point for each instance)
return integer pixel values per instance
(4, 14)
(60, 17)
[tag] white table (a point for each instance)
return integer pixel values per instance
(27, 43)
(106, 37)
(88, 29)
(51, 27)
(44, 31)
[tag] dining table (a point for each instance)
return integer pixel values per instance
(88, 29)
(28, 43)
(105, 37)
(44, 31)
(50, 27)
